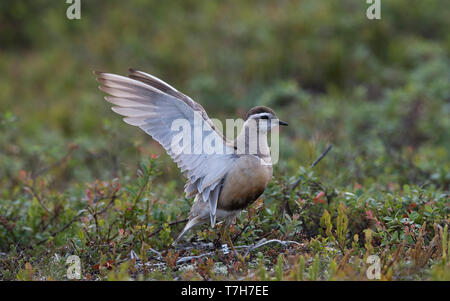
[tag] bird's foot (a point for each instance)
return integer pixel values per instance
(239, 256)
(226, 239)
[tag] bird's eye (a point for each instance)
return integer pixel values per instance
(265, 117)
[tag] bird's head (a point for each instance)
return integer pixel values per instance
(263, 118)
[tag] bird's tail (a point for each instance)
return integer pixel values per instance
(192, 223)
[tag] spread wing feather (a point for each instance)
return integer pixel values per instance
(153, 105)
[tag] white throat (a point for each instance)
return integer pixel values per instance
(252, 141)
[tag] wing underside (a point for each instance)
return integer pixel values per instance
(154, 106)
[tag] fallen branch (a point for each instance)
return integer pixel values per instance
(264, 242)
(159, 257)
(195, 245)
(189, 258)
(250, 248)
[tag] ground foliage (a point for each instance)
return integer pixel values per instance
(75, 180)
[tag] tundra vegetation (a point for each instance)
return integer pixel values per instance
(76, 180)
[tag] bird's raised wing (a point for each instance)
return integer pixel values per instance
(155, 107)
(168, 89)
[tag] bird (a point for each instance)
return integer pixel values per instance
(224, 182)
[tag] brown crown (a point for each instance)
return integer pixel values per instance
(259, 110)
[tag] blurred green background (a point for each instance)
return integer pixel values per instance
(378, 90)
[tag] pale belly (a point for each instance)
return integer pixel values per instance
(245, 182)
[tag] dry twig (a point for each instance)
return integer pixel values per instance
(325, 152)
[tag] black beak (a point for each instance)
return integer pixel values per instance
(282, 123)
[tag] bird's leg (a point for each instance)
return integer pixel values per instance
(225, 235)
(219, 241)
(223, 229)
(222, 232)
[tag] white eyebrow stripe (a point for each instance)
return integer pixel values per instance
(254, 116)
